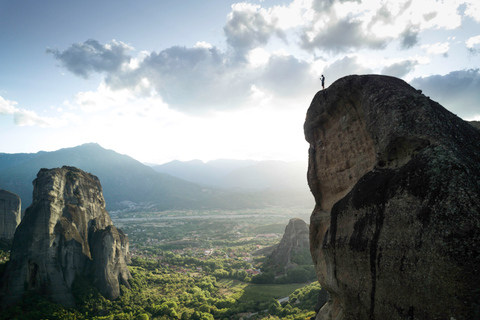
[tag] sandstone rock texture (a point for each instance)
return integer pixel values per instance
(10, 213)
(295, 240)
(66, 232)
(395, 233)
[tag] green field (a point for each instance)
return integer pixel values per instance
(258, 292)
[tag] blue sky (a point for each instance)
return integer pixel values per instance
(165, 80)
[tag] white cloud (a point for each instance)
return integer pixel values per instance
(293, 15)
(101, 99)
(473, 9)
(23, 117)
(135, 62)
(249, 26)
(472, 42)
(344, 26)
(437, 48)
(258, 57)
(203, 44)
(7, 106)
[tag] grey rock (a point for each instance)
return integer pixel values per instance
(295, 240)
(66, 232)
(10, 213)
(395, 232)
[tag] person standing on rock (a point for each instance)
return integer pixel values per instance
(323, 81)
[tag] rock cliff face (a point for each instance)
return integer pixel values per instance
(395, 233)
(10, 213)
(66, 232)
(295, 240)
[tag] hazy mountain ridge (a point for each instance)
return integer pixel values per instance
(126, 181)
(243, 174)
(123, 177)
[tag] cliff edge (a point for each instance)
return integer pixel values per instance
(396, 179)
(66, 232)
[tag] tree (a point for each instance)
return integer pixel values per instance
(264, 278)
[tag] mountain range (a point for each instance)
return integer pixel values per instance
(240, 174)
(130, 185)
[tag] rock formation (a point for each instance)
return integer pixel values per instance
(294, 241)
(65, 233)
(395, 233)
(10, 213)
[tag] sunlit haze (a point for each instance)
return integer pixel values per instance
(166, 80)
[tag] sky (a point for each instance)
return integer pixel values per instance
(216, 79)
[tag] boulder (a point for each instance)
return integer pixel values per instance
(66, 233)
(395, 232)
(10, 213)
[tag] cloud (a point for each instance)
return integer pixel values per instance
(472, 44)
(83, 59)
(342, 26)
(400, 69)
(342, 68)
(205, 78)
(249, 26)
(190, 79)
(337, 35)
(456, 91)
(286, 76)
(7, 107)
(473, 10)
(409, 37)
(200, 79)
(23, 117)
(437, 48)
(102, 99)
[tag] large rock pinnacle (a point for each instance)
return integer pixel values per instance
(10, 213)
(395, 233)
(66, 233)
(294, 241)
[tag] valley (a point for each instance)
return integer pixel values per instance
(192, 265)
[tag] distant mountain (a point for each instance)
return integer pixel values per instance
(127, 183)
(246, 175)
(476, 124)
(210, 173)
(124, 179)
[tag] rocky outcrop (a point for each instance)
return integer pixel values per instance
(396, 180)
(10, 213)
(295, 240)
(66, 233)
